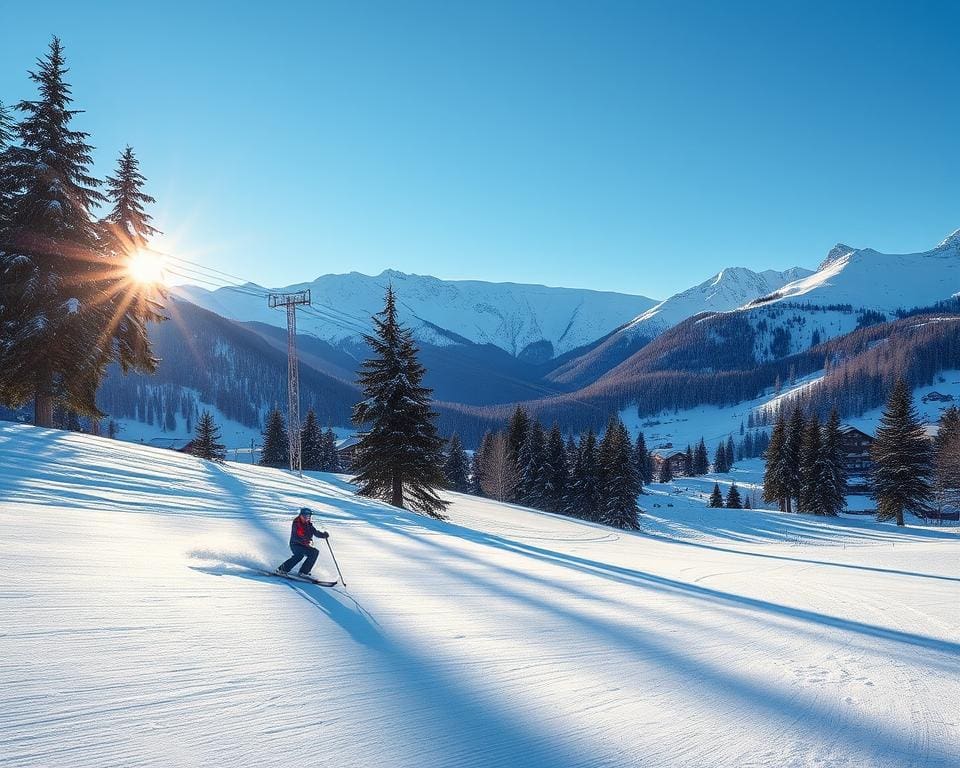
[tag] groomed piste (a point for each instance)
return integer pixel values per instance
(135, 631)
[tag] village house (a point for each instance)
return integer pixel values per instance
(677, 459)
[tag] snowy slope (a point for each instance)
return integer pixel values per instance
(509, 315)
(728, 289)
(869, 279)
(132, 634)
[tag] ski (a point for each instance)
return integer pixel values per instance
(298, 577)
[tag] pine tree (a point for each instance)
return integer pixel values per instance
(810, 498)
(556, 471)
(331, 456)
(206, 443)
(730, 453)
(701, 460)
(946, 461)
(733, 498)
(456, 468)
(516, 436)
(720, 459)
(312, 456)
(642, 460)
(746, 502)
(793, 446)
(688, 461)
(49, 257)
(901, 457)
(618, 478)
(531, 488)
(775, 487)
(831, 476)
(716, 498)
(399, 455)
(478, 464)
(276, 445)
(68, 309)
(587, 502)
(7, 185)
(126, 230)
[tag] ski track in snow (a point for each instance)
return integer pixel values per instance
(133, 632)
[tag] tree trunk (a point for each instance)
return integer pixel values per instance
(43, 409)
(397, 499)
(900, 516)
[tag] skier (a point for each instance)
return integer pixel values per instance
(301, 532)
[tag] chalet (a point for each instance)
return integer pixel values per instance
(677, 459)
(347, 450)
(855, 454)
(180, 444)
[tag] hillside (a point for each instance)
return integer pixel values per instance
(532, 322)
(499, 638)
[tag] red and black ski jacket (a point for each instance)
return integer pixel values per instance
(302, 531)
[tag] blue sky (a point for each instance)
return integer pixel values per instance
(624, 146)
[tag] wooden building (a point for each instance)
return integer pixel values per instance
(677, 459)
(855, 454)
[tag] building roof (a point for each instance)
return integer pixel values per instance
(849, 429)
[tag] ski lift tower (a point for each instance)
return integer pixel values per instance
(291, 301)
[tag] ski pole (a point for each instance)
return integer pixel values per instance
(335, 561)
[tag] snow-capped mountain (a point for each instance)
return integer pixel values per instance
(884, 282)
(529, 321)
(728, 289)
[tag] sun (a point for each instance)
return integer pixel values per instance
(146, 267)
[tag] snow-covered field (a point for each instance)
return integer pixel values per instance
(132, 634)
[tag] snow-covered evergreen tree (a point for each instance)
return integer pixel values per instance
(733, 498)
(531, 488)
(618, 478)
(946, 462)
(50, 256)
(810, 499)
(901, 456)
(716, 498)
(456, 468)
(312, 455)
(730, 453)
(477, 464)
(399, 455)
(701, 460)
(792, 449)
(831, 475)
(67, 309)
(125, 230)
(206, 443)
(7, 186)
(642, 460)
(720, 459)
(585, 495)
(556, 472)
(688, 461)
(775, 475)
(516, 437)
(276, 445)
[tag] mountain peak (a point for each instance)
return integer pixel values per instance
(836, 253)
(952, 239)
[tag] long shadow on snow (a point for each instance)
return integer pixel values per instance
(870, 737)
(463, 729)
